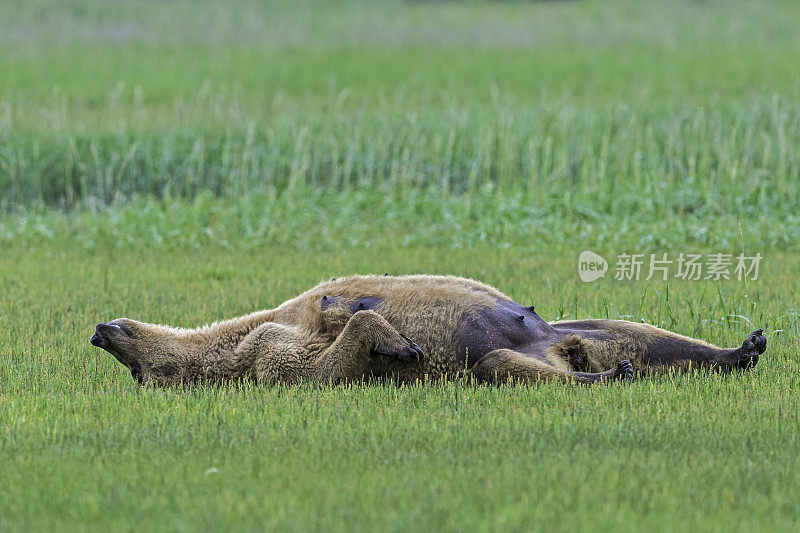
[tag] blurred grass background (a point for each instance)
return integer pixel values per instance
(681, 112)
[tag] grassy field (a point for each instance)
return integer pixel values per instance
(185, 162)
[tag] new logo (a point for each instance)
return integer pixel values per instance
(591, 266)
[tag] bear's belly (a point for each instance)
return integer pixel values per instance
(506, 325)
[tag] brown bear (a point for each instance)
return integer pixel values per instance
(406, 328)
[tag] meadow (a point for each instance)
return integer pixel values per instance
(185, 162)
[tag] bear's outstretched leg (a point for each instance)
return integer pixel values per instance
(366, 335)
(598, 344)
(680, 353)
(747, 355)
(499, 366)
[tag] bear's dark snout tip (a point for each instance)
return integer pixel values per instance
(102, 334)
(97, 339)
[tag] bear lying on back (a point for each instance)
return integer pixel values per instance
(407, 327)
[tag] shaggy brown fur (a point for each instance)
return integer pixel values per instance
(407, 327)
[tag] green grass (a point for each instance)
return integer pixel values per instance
(694, 103)
(84, 447)
(185, 162)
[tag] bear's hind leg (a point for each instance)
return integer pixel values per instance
(683, 354)
(601, 343)
(747, 355)
(504, 365)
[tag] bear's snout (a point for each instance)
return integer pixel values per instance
(103, 333)
(97, 339)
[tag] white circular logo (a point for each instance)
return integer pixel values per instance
(591, 266)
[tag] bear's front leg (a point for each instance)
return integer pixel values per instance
(366, 335)
(275, 353)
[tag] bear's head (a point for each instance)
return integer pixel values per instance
(152, 353)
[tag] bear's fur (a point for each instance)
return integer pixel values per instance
(407, 327)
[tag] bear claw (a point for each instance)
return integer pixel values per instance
(624, 370)
(416, 351)
(410, 352)
(752, 347)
